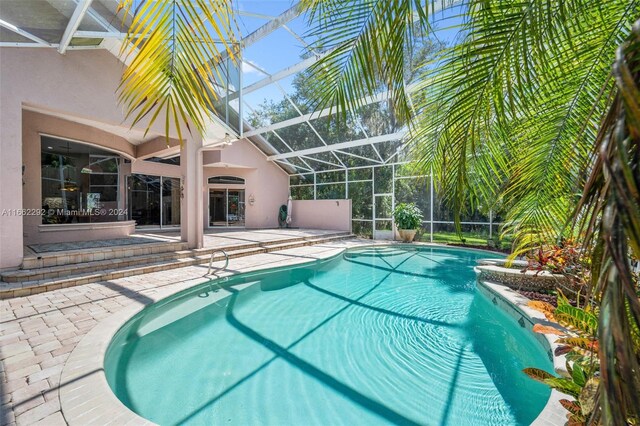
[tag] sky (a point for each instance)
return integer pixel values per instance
(282, 49)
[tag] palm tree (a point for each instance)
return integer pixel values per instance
(524, 107)
(609, 212)
(176, 52)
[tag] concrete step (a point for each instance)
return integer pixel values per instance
(111, 271)
(63, 270)
(72, 257)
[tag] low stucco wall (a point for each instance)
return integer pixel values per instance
(85, 231)
(322, 214)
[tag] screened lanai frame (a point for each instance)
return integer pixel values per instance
(92, 24)
(305, 186)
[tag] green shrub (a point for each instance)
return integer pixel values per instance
(407, 216)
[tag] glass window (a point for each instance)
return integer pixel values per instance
(170, 201)
(144, 200)
(173, 160)
(80, 183)
(226, 207)
(154, 201)
(226, 180)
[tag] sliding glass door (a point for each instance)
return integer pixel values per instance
(218, 207)
(154, 201)
(226, 207)
(170, 202)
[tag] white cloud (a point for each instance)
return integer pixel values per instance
(248, 69)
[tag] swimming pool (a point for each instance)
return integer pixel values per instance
(379, 335)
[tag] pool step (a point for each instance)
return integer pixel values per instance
(46, 279)
(74, 257)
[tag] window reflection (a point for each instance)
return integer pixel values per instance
(79, 183)
(154, 201)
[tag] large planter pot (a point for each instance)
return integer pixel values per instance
(407, 235)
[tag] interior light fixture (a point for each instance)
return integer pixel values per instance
(227, 140)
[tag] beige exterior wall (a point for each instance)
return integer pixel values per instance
(322, 214)
(36, 124)
(74, 96)
(268, 183)
(80, 85)
(33, 126)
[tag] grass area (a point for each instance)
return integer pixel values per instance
(453, 238)
(470, 238)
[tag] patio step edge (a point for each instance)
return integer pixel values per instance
(60, 271)
(73, 257)
(25, 288)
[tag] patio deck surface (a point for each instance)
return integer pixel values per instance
(227, 237)
(38, 332)
(213, 238)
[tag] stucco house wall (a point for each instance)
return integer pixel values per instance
(33, 126)
(267, 182)
(80, 84)
(74, 96)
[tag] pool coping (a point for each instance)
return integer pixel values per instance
(87, 398)
(515, 305)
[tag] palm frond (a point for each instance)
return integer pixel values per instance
(366, 44)
(525, 84)
(175, 50)
(609, 214)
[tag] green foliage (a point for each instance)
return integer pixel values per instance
(368, 43)
(579, 345)
(512, 110)
(565, 258)
(524, 109)
(407, 216)
(583, 321)
(537, 374)
(567, 386)
(609, 214)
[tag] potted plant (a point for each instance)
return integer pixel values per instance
(408, 219)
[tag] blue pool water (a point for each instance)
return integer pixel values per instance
(386, 335)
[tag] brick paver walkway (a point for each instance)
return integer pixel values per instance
(38, 332)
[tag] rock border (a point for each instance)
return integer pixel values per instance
(495, 272)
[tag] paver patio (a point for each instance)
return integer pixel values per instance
(38, 332)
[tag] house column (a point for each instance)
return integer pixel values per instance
(11, 226)
(191, 218)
